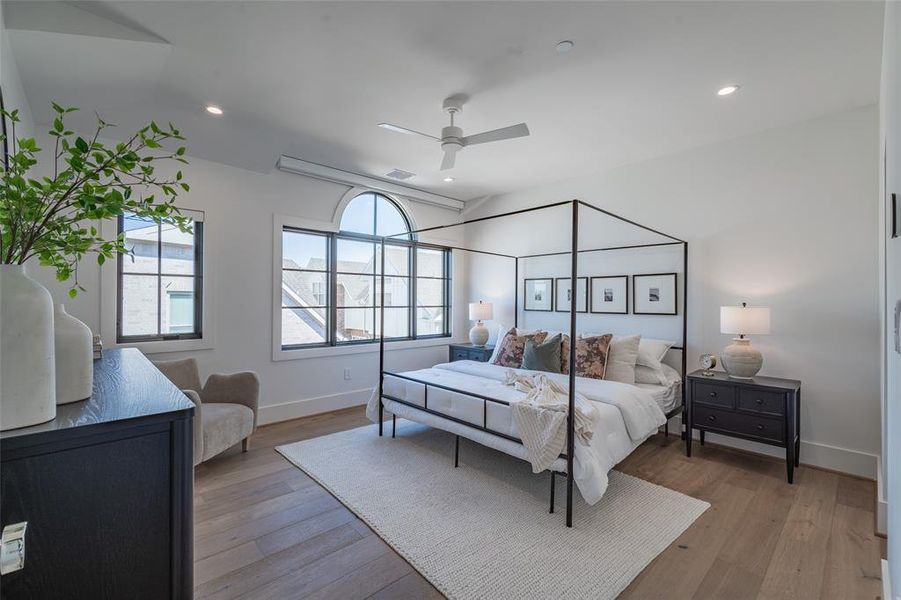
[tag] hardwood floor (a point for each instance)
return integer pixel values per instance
(263, 529)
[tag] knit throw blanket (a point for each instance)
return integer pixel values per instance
(541, 417)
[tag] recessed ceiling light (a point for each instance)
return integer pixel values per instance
(726, 91)
(564, 46)
(448, 179)
(213, 109)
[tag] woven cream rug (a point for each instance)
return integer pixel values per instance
(483, 530)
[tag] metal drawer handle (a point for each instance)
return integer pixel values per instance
(760, 428)
(711, 417)
(713, 394)
(760, 401)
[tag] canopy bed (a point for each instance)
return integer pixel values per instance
(483, 401)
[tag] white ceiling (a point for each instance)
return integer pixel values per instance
(312, 80)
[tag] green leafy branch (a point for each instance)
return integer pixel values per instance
(48, 217)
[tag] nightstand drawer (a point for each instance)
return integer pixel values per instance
(460, 355)
(714, 394)
(732, 422)
(771, 403)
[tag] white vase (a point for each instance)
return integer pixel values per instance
(74, 350)
(27, 375)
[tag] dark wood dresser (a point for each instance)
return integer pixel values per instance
(762, 409)
(469, 352)
(106, 490)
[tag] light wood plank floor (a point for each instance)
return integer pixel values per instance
(263, 529)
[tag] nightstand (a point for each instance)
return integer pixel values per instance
(469, 352)
(762, 409)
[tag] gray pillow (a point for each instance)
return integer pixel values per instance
(542, 357)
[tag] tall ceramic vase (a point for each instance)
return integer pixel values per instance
(74, 357)
(27, 375)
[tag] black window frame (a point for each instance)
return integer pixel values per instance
(197, 276)
(332, 259)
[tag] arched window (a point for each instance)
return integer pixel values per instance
(374, 214)
(331, 282)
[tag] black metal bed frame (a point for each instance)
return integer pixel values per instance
(574, 252)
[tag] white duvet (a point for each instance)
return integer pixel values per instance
(626, 415)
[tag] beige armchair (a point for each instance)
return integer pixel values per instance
(225, 407)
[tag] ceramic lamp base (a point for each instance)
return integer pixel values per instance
(478, 335)
(741, 360)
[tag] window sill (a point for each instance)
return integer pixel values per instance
(300, 353)
(161, 346)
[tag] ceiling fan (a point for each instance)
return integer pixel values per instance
(452, 139)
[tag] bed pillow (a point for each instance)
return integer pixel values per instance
(542, 356)
(513, 346)
(621, 358)
(591, 356)
(651, 352)
(501, 332)
(564, 354)
(652, 375)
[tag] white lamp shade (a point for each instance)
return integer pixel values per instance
(481, 311)
(745, 320)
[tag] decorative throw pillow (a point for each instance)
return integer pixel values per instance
(513, 347)
(591, 356)
(542, 356)
(621, 359)
(651, 352)
(564, 355)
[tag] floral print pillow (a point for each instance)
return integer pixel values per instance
(591, 356)
(513, 347)
(564, 355)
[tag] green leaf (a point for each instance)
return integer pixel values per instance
(101, 259)
(73, 292)
(81, 144)
(58, 124)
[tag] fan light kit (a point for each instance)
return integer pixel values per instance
(564, 46)
(452, 139)
(213, 109)
(728, 90)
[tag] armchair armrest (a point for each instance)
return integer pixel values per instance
(197, 425)
(238, 388)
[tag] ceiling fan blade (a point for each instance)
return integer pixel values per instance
(450, 158)
(504, 133)
(399, 129)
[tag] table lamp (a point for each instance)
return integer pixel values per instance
(741, 360)
(480, 311)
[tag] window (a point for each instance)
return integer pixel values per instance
(161, 283)
(331, 282)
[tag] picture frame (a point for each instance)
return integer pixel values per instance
(654, 294)
(538, 294)
(610, 294)
(562, 291)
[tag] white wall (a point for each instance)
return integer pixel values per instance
(13, 95)
(890, 182)
(783, 218)
(239, 206)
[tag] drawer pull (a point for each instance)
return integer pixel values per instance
(759, 401)
(711, 417)
(713, 394)
(760, 428)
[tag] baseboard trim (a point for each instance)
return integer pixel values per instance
(881, 503)
(824, 456)
(886, 581)
(306, 407)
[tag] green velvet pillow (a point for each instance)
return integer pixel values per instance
(544, 356)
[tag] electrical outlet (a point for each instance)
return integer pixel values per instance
(347, 374)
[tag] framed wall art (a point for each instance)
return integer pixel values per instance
(654, 294)
(539, 294)
(563, 291)
(610, 294)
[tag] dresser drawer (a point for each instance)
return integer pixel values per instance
(759, 426)
(771, 403)
(714, 394)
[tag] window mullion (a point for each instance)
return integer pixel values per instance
(159, 278)
(332, 333)
(414, 333)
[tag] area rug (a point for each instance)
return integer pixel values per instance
(483, 530)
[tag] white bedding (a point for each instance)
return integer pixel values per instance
(667, 396)
(627, 415)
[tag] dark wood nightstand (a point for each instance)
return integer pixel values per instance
(762, 409)
(469, 352)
